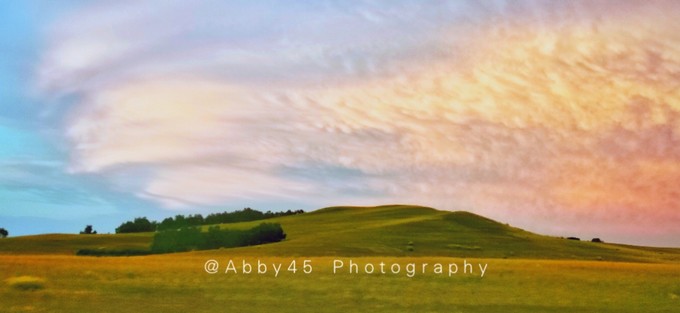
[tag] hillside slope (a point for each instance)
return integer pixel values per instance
(388, 230)
(393, 230)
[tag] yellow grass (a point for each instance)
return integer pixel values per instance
(179, 283)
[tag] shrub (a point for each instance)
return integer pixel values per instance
(177, 240)
(191, 238)
(264, 233)
(26, 283)
(222, 238)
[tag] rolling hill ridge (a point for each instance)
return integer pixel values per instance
(391, 230)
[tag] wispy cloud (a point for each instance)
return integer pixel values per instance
(533, 113)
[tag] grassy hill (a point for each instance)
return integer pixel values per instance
(70, 243)
(526, 272)
(377, 231)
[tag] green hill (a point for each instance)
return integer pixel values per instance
(70, 243)
(392, 230)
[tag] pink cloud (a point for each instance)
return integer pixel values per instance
(562, 121)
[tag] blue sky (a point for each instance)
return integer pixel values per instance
(38, 195)
(561, 118)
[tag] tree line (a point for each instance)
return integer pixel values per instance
(142, 224)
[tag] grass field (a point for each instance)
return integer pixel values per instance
(525, 272)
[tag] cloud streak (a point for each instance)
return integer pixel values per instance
(550, 116)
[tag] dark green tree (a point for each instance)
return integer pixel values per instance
(88, 231)
(139, 225)
(3, 233)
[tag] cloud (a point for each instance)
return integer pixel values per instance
(529, 113)
(40, 189)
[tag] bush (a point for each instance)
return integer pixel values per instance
(217, 238)
(264, 233)
(26, 283)
(191, 238)
(3, 233)
(177, 240)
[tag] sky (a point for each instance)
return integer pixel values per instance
(562, 118)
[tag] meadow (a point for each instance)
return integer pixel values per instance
(526, 272)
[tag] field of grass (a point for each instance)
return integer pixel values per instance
(525, 272)
(178, 283)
